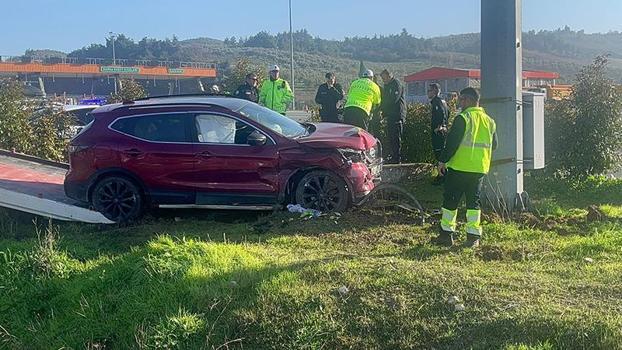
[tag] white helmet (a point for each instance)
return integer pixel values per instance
(274, 68)
(368, 73)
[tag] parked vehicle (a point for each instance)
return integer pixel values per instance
(216, 152)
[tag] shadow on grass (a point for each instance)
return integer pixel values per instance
(132, 300)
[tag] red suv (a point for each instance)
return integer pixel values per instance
(215, 152)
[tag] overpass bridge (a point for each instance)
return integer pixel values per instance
(93, 76)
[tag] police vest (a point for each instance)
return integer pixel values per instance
(475, 152)
(275, 95)
(364, 94)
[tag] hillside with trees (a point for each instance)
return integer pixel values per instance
(562, 50)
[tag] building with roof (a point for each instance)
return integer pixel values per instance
(452, 80)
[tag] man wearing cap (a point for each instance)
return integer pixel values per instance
(327, 96)
(394, 112)
(363, 96)
(275, 92)
(248, 90)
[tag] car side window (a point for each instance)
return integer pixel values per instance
(157, 128)
(212, 128)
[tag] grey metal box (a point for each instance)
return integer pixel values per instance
(533, 130)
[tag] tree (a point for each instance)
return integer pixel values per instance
(584, 134)
(15, 129)
(236, 74)
(130, 91)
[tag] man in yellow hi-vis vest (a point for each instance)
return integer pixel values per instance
(465, 161)
(363, 96)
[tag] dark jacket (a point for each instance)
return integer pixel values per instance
(327, 97)
(393, 105)
(247, 92)
(440, 117)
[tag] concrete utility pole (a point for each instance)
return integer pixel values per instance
(501, 55)
(291, 42)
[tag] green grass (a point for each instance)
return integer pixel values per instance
(240, 280)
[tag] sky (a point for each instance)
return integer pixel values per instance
(67, 25)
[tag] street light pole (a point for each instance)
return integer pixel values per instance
(291, 42)
(114, 58)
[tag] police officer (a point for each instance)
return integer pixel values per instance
(394, 112)
(327, 96)
(248, 90)
(363, 95)
(438, 124)
(275, 92)
(465, 161)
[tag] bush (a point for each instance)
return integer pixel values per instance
(416, 139)
(51, 132)
(15, 130)
(41, 131)
(583, 134)
(130, 91)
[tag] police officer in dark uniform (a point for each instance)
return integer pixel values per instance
(439, 121)
(393, 108)
(248, 90)
(327, 96)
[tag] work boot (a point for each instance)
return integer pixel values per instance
(444, 239)
(472, 241)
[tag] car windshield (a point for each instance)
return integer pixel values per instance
(272, 120)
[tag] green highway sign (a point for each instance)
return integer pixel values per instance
(119, 70)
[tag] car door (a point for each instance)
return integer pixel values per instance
(160, 152)
(228, 170)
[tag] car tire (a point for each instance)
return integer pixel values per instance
(324, 191)
(118, 199)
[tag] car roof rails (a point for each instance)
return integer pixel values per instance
(207, 94)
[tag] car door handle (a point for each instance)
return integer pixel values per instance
(204, 154)
(133, 152)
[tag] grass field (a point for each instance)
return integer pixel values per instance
(367, 280)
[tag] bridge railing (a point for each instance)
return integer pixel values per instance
(107, 61)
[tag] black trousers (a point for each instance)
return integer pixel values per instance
(394, 140)
(438, 144)
(458, 183)
(355, 116)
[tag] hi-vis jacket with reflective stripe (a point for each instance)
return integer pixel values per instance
(364, 94)
(474, 153)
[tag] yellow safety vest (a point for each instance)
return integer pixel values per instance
(275, 95)
(364, 94)
(475, 152)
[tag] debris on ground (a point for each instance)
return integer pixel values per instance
(453, 300)
(343, 290)
(588, 260)
(305, 213)
(459, 307)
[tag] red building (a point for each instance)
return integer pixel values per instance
(454, 80)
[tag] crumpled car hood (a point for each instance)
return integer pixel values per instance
(333, 135)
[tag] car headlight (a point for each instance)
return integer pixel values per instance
(353, 155)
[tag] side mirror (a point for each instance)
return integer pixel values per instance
(256, 139)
